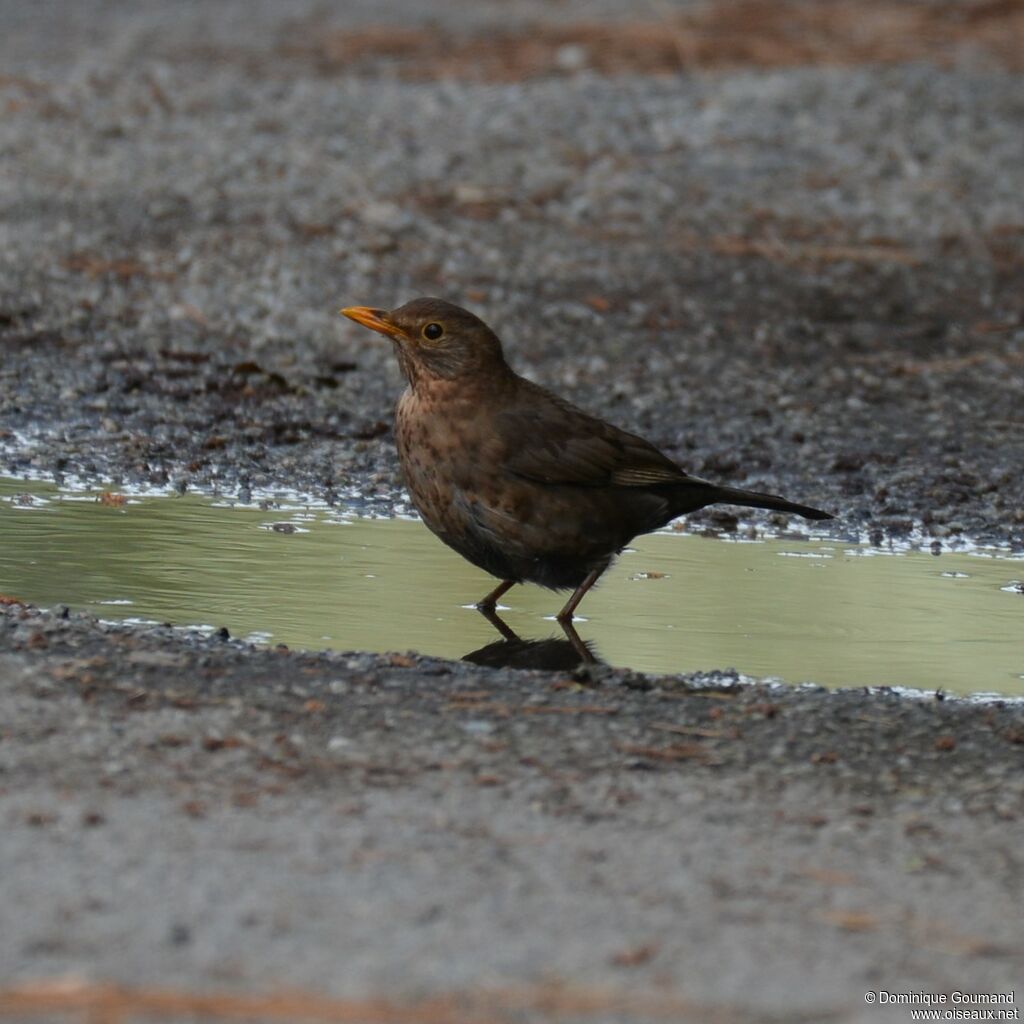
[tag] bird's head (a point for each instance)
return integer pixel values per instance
(435, 339)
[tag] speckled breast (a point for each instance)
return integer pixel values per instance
(503, 524)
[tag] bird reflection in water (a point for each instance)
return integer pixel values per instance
(551, 654)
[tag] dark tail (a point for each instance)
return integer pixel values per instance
(755, 499)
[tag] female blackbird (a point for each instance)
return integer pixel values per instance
(515, 479)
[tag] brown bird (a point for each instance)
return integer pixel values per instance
(517, 480)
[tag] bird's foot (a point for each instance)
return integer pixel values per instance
(565, 615)
(489, 604)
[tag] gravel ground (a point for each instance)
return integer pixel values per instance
(805, 279)
(187, 813)
(791, 268)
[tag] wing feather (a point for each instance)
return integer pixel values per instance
(551, 441)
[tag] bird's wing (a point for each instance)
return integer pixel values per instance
(550, 441)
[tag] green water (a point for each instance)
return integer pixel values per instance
(830, 613)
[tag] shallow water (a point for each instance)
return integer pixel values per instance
(836, 614)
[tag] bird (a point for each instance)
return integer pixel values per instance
(517, 480)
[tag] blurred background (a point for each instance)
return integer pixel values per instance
(785, 240)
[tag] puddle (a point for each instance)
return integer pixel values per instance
(829, 613)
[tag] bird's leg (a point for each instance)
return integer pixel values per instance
(490, 602)
(565, 615)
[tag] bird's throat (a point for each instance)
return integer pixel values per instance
(451, 372)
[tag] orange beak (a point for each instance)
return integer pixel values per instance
(375, 319)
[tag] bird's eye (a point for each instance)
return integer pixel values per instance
(432, 332)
